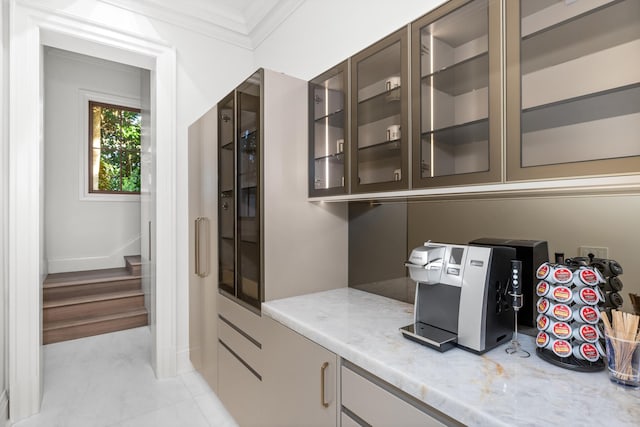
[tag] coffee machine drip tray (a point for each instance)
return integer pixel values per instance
(430, 336)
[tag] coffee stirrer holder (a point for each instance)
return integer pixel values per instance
(514, 346)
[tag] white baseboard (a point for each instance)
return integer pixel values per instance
(183, 362)
(4, 409)
(113, 260)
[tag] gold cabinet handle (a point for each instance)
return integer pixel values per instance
(323, 371)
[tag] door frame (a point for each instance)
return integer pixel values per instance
(30, 29)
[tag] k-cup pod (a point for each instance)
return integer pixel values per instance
(587, 276)
(543, 288)
(560, 293)
(561, 330)
(543, 271)
(586, 333)
(586, 314)
(586, 351)
(543, 305)
(560, 312)
(543, 339)
(561, 274)
(561, 348)
(613, 284)
(392, 82)
(393, 132)
(613, 299)
(587, 296)
(543, 322)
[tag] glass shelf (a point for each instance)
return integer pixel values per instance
(593, 31)
(461, 134)
(596, 106)
(227, 146)
(380, 150)
(385, 104)
(335, 119)
(338, 157)
(462, 77)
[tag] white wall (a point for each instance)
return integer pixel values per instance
(321, 34)
(4, 29)
(82, 233)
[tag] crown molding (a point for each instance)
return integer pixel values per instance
(244, 28)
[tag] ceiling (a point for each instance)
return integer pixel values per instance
(245, 23)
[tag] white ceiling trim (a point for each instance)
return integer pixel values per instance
(246, 29)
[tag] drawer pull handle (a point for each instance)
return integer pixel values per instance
(323, 370)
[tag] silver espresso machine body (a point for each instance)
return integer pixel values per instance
(462, 296)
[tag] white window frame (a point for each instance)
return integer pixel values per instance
(83, 154)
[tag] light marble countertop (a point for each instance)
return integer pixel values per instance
(493, 389)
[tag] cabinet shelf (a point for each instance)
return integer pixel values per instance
(335, 119)
(227, 146)
(385, 104)
(338, 157)
(477, 130)
(380, 150)
(600, 105)
(462, 77)
(590, 32)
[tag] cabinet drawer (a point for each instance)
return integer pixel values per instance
(246, 320)
(378, 406)
(241, 344)
(239, 390)
(347, 421)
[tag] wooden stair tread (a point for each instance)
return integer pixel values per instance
(133, 259)
(65, 301)
(87, 277)
(93, 319)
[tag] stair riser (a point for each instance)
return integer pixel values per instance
(91, 289)
(134, 269)
(96, 308)
(98, 328)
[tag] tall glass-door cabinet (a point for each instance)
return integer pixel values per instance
(328, 133)
(456, 94)
(380, 122)
(573, 88)
(239, 196)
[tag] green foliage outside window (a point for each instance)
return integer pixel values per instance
(116, 146)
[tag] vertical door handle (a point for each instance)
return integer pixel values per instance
(323, 374)
(202, 225)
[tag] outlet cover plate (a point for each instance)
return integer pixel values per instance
(598, 251)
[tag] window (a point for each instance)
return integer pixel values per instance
(114, 149)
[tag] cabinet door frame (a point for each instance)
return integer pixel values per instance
(494, 173)
(513, 107)
(343, 68)
(401, 36)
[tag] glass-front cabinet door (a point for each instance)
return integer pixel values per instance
(249, 153)
(226, 195)
(456, 94)
(379, 105)
(328, 134)
(573, 88)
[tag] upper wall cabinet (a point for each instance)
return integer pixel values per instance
(328, 133)
(455, 92)
(379, 106)
(573, 88)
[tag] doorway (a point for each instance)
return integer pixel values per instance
(30, 33)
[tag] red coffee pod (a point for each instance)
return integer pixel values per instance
(561, 312)
(561, 348)
(543, 271)
(586, 351)
(586, 295)
(542, 289)
(542, 340)
(562, 275)
(543, 305)
(586, 314)
(586, 333)
(543, 322)
(561, 330)
(562, 294)
(587, 276)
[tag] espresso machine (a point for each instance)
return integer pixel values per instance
(462, 296)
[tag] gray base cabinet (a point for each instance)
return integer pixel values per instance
(299, 380)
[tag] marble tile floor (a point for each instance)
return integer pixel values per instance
(107, 381)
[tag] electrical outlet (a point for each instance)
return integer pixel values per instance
(599, 252)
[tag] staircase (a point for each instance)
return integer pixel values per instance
(85, 303)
